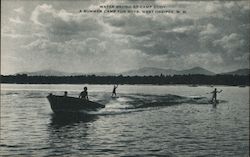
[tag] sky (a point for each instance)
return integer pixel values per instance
(39, 35)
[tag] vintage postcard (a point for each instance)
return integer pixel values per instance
(125, 78)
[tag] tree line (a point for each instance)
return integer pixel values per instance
(197, 79)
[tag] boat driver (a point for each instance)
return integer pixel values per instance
(84, 94)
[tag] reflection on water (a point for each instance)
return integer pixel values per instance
(66, 131)
(70, 119)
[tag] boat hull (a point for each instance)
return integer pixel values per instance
(67, 104)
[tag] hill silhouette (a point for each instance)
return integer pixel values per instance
(238, 72)
(146, 71)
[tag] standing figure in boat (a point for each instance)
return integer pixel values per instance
(114, 90)
(84, 94)
(214, 97)
(65, 93)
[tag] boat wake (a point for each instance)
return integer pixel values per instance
(127, 103)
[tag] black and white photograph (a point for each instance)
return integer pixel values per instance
(125, 78)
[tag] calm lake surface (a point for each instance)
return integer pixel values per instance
(145, 120)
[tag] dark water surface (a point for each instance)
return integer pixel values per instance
(142, 121)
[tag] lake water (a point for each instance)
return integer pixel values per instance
(142, 121)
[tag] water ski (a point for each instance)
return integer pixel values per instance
(214, 102)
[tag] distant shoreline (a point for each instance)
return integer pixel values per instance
(204, 85)
(192, 80)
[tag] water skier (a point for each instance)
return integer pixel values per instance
(114, 90)
(214, 97)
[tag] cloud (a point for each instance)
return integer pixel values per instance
(16, 20)
(40, 45)
(10, 32)
(230, 42)
(64, 26)
(208, 30)
(184, 29)
(15, 36)
(39, 10)
(203, 59)
(207, 35)
(154, 35)
(19, 10)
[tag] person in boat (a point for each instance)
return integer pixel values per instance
(84, 94)
(114, 90)
(214, 97)
(65, 93)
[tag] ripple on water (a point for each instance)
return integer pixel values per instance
(130, 125)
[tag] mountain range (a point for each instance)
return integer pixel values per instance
(157, 71)
(239, 72)
(60, 73)
(146, 71)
